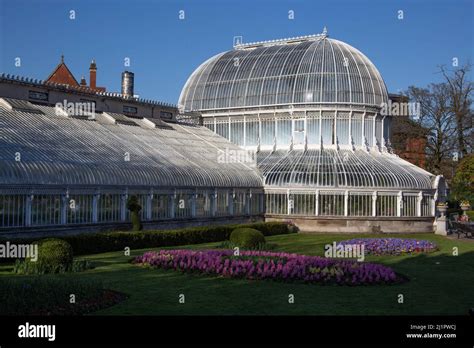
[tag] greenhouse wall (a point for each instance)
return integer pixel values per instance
(43, 209)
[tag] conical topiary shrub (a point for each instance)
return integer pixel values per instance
(134, 206)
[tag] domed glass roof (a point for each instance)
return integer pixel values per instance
(329, 168)
(306, 70)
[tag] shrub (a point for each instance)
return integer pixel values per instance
(93, 243)
(41, 296)
(247, 237)
(134, 206)
(25, 267)
(470, 213)
(54, 256)
(54, 252)
(261, 246)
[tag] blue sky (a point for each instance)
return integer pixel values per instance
(165, 50)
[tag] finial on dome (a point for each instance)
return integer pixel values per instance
(325, 30)
(62, 58)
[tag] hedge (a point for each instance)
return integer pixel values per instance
(93, 243)
(247, 237)
(470, 213)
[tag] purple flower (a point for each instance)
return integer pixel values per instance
(270, 265)
(392, 246)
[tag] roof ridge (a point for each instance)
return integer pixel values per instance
(31, 81)
(62, 63)
(312, 37)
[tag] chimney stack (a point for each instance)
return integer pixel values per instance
(127, 84)
(93, 75)
(83, 82)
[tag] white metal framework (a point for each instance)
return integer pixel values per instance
(311, 107)
(306, 70)
(60, 170)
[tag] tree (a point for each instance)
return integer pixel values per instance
(437, 117)
(462, 186)
(460, 94)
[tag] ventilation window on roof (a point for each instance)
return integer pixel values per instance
(19, 105)
(130, 110)
(156, 123)
(83, 117)
(120, 119)
(38, 96)
(166, 115)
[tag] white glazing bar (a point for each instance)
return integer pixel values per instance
(320, 135)
(419, 199)
(248, 202)
(289, 203)
(363, 130)
(64, 207)
(149, 208)
(349, 140)
(123, 206)
(245, 132)
(193, 204)
(172, 208)
(213, 203)
(27, 218)
(382, 131)
(231, 196)
(346, 203)
(305, 127)
(374, 136)
(399, 203)
(95, 201)
(276, 131)
(259, 140)
(374, 203)
(316, 205)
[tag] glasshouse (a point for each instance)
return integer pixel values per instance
(62, 169)
(292, 129)
(312, 109)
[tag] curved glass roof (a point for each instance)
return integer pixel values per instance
(57, 150)
(314, 70)
(330, 168)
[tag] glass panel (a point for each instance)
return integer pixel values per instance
(386, 206)
(109, 208)
(46, 210)
(298, 132)
(79, 209)
(12, 210)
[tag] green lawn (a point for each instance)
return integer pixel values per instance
(439, 284)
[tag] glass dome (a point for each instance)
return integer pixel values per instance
(306, 70)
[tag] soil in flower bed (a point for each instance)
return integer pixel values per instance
(49, 296)
(271, 265)
(105, 299)
(392, 246)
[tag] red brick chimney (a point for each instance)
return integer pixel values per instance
(93, 75)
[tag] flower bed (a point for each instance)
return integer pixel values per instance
(50, 296)
(392, 246)
(270, 265)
